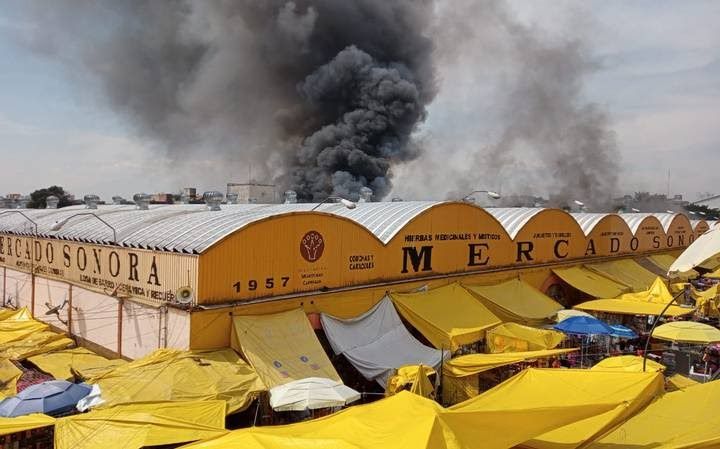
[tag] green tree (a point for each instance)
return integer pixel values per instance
(37, 198)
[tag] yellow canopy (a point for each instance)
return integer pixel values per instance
(11, 330)
(62, 364)
(627, 363)
(9, 375)
(173, 375)
(625, 271)
(23, 423)
(407, 375)
(687, 332)
(685, 418)
(22, 314)
(664, 261)
(406, 421)
(282, 347)
(707, 302)
(513, 337)
(139, 425)
(591, 283)
(624, 394)
(448, 316)
(680, 382)
(657, 293)
(516, 301)
(471, 364)
(715, 274)
(33, 344)
(623, 307)
(567, 313)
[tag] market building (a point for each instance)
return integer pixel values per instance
(128, 281)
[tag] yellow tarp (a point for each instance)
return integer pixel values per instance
(448, 316)
(17, 329)
(406, 375)
(22, 314)
(173, 375)
(471, 364)
(625, 271)
(680, 382)
(62, 364)
(624, 393)
(591, 283)
(627, 363)
(139, 425)
(33, 344)
(513, 337)
(406, 421)
(715, 274)
(682, 419)
(23, 423)
(707, 302)
(516, 301)
(623, 307)
(664, 261)
(657, 293)
(282, 347)
(9, 375)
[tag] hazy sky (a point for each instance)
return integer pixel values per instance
(659, 83)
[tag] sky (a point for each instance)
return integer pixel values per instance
(657, 80)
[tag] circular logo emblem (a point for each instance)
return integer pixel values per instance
(304, 359)
(277, 364)
(312, 246)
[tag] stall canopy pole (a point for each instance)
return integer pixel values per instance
(655, 322)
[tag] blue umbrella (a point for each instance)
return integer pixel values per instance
(584, 325)
(51, 397)
(623, 332)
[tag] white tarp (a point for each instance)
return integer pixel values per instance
(377, 343)
(310, 394)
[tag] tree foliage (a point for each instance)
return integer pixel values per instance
(38, 197)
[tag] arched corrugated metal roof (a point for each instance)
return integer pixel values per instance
(588, 221)
(634, 220)
(513, 218)
(193, 228)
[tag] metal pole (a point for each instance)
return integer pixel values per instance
(647, 342)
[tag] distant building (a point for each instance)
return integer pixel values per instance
(651, 202)
(163, 198)
(712, 202)
(252, 192)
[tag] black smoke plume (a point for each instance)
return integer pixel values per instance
(325, 94)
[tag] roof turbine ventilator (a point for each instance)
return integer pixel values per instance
(290, 197)
(142, 200)
(51, 202)
(91, 201)
(213, 199)
(366, 194)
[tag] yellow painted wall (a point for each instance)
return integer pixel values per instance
(680, 233)
(701, 227)
(611, 236)
(650, 235)
(552, 235)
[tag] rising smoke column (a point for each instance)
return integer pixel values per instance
(325, 94)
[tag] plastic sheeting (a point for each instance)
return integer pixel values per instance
(658, 293)
(22, 423)
(591, 283)
(627, 363)
(407, 375)
(703, 248)
(665, 261)
(12, 330)
(471, 364)
(282, 347)
(517, 301)
(9, 375)
(139, 425)
(680, 382)
(625, 393)
(682, 419)
(448, 316)
(63, 364)
(625, 271)
(172, 375)
(377, 343)
(513, 337)
(406, 421)
(36, 343)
